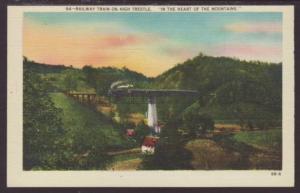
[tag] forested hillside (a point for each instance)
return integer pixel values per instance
(65, 135)
(229, 88)
(60, 133)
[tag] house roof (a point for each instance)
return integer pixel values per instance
(150, 141)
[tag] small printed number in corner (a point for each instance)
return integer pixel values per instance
(275, 173)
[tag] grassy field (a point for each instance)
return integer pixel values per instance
(266, 140)
(86, 125)
(209, 155)
(89, 130)
(126, 160)
(241, 150)
(93, 140)
(131, 164)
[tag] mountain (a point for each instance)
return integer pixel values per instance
(64, 78)
(229, 88)
(43, 68)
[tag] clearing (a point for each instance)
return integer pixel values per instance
(242, 150)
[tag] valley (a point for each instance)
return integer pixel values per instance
(234, 124)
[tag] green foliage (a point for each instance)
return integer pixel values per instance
(67, 80)
(42, 126)
(170, 153)
(70, 136)
(70, 80)
(43, 68)
(102, 78)
(59, 78)
(195, 122)
(141, 131)
(123, 110)
(229, 89)
(88, 130)
(260, 149)
(269, 139)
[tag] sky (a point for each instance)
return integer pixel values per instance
(150, 43)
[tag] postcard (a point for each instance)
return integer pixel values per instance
(150, 96)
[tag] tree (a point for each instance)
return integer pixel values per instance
(70, 80)
(170, 152)
(42, 126)
(90, 74)
(141, 131)
(195, 122)
(245, 91)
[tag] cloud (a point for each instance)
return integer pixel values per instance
(108, 43)
(259, 27)
(120, 40)
(92, 46)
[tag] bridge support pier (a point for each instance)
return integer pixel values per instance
(152, 115)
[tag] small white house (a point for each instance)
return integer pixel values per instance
(148, 149)
(149, 143)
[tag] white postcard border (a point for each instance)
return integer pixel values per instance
(16, 177)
